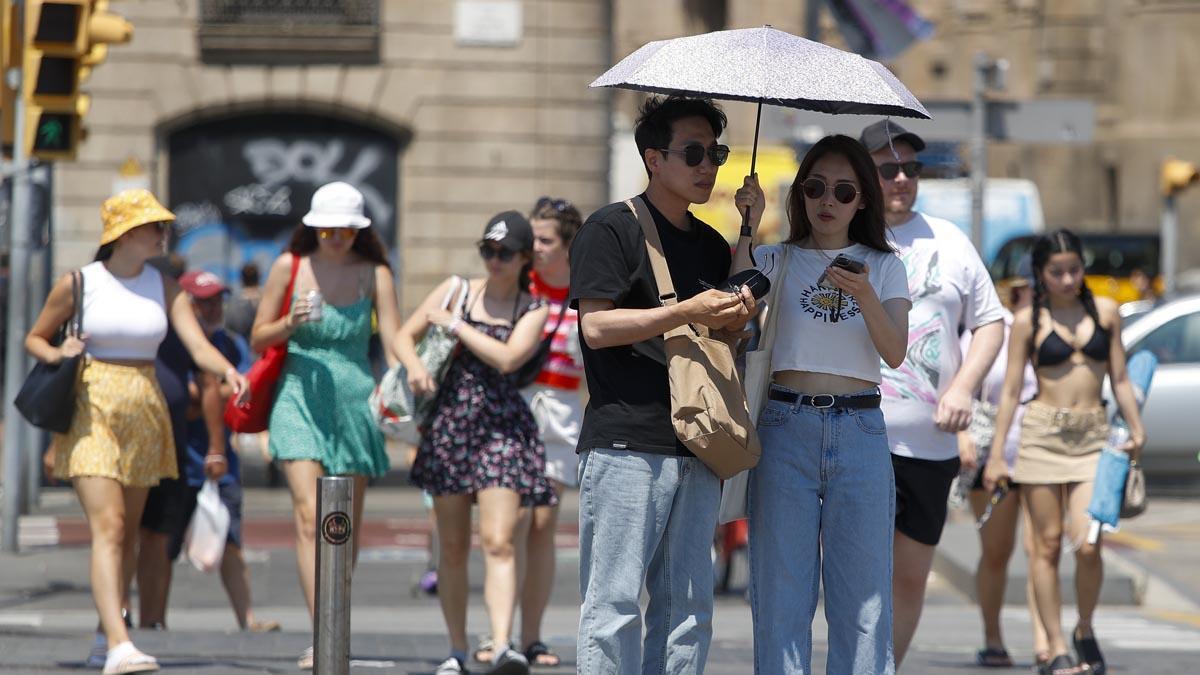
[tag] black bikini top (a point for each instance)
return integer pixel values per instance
(1055, 350)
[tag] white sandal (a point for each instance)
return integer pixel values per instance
(125, 658)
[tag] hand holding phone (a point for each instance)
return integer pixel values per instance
(842, 261)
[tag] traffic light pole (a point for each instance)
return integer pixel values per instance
(20, 233)
(978, 148)
(1169, 241)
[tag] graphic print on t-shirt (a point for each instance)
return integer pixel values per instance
(821, 303)
(919, 377)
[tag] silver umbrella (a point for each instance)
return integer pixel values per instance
(765, 65)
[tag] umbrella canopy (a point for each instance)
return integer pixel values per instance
(765, 65)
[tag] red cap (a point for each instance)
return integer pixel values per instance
(201, 284)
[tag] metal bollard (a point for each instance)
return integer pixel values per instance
(335, 556)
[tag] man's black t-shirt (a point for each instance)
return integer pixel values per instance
(630, 396)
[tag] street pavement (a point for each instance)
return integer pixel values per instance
(46, 613)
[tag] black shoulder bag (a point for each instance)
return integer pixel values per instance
(528, 373)
(47, 399)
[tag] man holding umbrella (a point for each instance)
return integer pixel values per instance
(647, 506)
(927, 400)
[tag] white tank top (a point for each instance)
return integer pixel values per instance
(123, 319)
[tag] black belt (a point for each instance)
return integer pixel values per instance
(824, 400)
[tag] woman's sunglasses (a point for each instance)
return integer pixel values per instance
(814, 188)
(694, 153)
(488, 252)
(339, 233)
(890, 170)
(559, 205)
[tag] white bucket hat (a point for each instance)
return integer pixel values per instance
(337, 205)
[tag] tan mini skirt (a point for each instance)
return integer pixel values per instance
(1059, 445)
(120, 429)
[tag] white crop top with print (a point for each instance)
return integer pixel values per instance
(806, 336)
(123, 319)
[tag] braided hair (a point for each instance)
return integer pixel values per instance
(1058, 241)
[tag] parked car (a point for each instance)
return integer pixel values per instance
(1172, 332)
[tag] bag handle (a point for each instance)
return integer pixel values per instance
(774, 298)
(76, 324)
(287, 295)
(658, 262)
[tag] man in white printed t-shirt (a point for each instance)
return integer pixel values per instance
(927, 400)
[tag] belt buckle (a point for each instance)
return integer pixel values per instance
(823, 397)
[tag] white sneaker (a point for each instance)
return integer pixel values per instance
(510, 662)
(305, 662)
(451, 666)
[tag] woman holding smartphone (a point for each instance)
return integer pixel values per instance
(821, 504)
(1073, 340)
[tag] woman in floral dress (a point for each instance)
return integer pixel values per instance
(481, 443)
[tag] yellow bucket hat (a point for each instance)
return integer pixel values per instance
(129, 209)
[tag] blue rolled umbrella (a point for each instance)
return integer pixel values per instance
(1108, 491)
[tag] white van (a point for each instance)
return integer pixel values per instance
(1011, 207)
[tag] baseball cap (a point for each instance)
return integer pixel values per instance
(878, 134)
(511, 230)
(202, 285)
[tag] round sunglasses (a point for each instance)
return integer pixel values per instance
(694, 153)
(488, 252)
(890, 170)
(339, 233)
(815, 188)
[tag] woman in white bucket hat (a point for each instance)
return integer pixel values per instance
(320, 422)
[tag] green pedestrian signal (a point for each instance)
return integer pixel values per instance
(53, 132)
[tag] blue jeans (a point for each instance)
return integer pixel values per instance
(821, 506)
(645, 517)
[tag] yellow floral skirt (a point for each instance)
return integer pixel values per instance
(120, 430)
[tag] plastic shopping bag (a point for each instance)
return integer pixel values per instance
(208, 530)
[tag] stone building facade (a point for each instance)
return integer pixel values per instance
(444, 112)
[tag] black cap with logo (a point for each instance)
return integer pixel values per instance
(511, 230)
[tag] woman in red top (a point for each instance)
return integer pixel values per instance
(557, 404)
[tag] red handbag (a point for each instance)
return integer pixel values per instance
(252, 416)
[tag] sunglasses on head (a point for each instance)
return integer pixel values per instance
(814, 188)
(694, 153)
(341, 233)
(488, 252)
(559, 205)
(890, 170)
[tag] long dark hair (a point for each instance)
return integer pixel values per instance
(105, 251)
(1058, 241)
(366, 244)
(868, 226)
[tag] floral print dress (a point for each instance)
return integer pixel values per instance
(481, 433)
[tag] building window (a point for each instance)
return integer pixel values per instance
(289, 31)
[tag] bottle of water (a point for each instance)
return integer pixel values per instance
(1118, 435)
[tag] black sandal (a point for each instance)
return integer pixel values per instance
(1088, 652)
(1063, 664)
(993, 657)
(538, 650)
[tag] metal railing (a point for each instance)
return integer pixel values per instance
(289, 31)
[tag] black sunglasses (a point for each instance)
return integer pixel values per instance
(890, 170)
(559, 205)
(694, 153)
(488, 252)
(814, 188)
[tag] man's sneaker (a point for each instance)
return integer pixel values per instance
(510, 662)
(99, 653)
(305, 662)
(451, 666)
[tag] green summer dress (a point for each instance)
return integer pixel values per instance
(320, 411)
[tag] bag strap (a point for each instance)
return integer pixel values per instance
(658, 262)
(287, 295)
(774, 298)
(75, 324)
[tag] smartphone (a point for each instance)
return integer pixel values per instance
(756, 281)
(846, 262)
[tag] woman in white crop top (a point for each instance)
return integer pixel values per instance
(822, 499)
(119, 443)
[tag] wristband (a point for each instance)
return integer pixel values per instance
(215, 458)
(746, 231)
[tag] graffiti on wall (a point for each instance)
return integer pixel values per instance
(239, 186)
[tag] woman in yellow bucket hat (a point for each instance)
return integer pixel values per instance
(119, 443)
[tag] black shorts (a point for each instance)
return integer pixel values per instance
(922, 487)
(169, 507)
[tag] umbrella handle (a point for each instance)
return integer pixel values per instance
(753, 160)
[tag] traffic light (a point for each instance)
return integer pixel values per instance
(1176, 175)
(63, 41)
